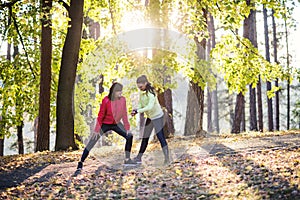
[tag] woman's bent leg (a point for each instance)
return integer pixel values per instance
(90, 145)
(158, 125)
(119, 128)
(147, 132)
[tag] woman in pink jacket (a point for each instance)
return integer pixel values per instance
(112, 110)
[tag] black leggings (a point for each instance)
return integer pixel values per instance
(158, 125)
(118, 128)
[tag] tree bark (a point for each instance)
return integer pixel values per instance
(2, 146)
(253, 114)
(65, 117)
(209, 111)
(165, 100)
(215, 101)
(269, 86)
(240, 101)
(260, 107)
(288, 69)
(169, 113)
(2, 137)
(250, 33)
(43, 132)
(18, 111)
(209, 93)
(20, 139)
(194, 112)
(243, 122)
(277, 111)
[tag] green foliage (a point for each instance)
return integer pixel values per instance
(19, 75)
(241, 64)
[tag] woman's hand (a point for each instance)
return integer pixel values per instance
(95, 135)
(134, 112)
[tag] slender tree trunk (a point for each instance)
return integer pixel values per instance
(215, 103)
(169, 109)
(250, 33)
(243, 122)
(43, 133)
(20, 139)
(260, 107)
(18, 111)
(269, 86)
(165, 100)
(65, 117)
(209, 110)
(277, 111)
(288, 69)
(240, 101)
(253, 114)
(2, 136)
(209, 93)
(2, 146)
(215, 111)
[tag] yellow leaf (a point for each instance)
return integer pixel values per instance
(179, 172)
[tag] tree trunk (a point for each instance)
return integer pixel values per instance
(250, 33)
(1, 139)
(2, 146)
(239, 105)
(253, 114)
(231, 108)
(165, 100)
(19, 113)
(20, 139)
(269, 86)
(209, 111)
(277, 111)
(209, 94)
(43, 132)
(215, 104)
(194, 112)
(243, 122)
(260, 107)
(169, 113)
(65, 117)
(288, 69)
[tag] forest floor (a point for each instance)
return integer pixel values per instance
(244, 166)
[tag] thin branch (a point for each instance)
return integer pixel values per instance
(112, 17)
(67, 7)
(238, 37)
(22, 42)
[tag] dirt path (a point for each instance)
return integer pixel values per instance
(52, 172)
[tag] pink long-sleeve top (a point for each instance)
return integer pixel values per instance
(112, 112)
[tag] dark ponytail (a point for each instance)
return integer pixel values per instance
(114, 88)
(143, 79)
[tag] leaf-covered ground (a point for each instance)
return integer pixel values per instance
(246, 166)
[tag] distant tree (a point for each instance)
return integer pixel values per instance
(275, 46)
(269, 86)
(215, 101)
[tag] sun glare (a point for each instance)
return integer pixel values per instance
(133, 20)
